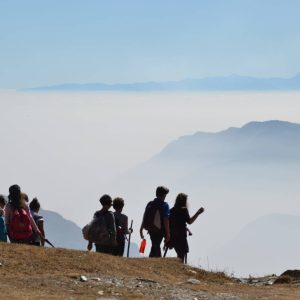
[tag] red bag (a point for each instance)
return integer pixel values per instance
(20, 226)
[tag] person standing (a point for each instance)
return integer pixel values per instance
(179, 218)
(102, 229)
(121, 221)
(3, 231)
(156, 221)
(39, 220)
(19, 223)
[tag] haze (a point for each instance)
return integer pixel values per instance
(68, 149)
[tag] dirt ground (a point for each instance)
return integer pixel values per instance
(42, 273)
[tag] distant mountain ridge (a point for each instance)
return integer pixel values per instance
(255, 141)
(226, 83)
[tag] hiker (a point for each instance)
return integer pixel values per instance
(156, 221)
(102, 229)
(39, 220)
(179, 217)
(121, 221)
(3, 232)
(19, 222)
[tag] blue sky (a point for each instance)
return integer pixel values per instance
(54, 42)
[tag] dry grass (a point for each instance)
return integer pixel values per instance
(31, 272)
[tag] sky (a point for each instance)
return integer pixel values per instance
(72, 41)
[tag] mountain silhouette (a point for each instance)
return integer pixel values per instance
(256, 141)
(227, 83)
(237, 175)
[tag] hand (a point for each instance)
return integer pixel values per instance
(141, 233)
(200, 211)
(90, 246)
(130, 230)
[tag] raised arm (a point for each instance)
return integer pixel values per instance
(195, 216)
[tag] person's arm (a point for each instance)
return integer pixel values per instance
(112, 227)
(33, 224)
(40, 224)
(167, 229)
(166, 216)
(7, 212)
(142, 227)
(125, 225)
(90, 246)
(195, 216)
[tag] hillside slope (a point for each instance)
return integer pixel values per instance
(30, 273)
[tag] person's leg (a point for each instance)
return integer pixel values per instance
(119, 249)
(156, 240)
(182, 248)
(104, 249)
(180, 252)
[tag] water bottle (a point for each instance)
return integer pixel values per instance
(143, 246)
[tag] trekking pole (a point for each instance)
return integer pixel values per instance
(128, 246)
(166, 250)
(48, 242)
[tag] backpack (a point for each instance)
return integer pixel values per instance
(20, 226)
(97, 231)
(152, 220)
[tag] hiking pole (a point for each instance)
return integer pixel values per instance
(128, 246)
(166, 250)
(48, 242)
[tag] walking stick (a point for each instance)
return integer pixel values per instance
(128, 246)
(48, 242)
(166, 250)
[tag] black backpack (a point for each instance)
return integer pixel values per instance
(153, 220)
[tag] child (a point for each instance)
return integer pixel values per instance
(3, 232)
(121, 226)
(39, 220)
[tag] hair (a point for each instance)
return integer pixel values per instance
(15, 198)
(2, 200)
(161, 191)
(105, 200)
(35, 204)
(181, 200)
(118, 203)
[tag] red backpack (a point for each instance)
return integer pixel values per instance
(20, 226)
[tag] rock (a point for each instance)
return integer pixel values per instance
(287, 277)
(193, 281)
(95, 278)
(291, 273)
(83, 278)
(284, 279)
(146, 280)
(101, 293)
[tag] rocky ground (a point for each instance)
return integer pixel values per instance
(31, 273)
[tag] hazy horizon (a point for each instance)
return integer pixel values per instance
(67, 149)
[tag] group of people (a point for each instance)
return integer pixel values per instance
(108, 229)
(20, 222)
(161, 222)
